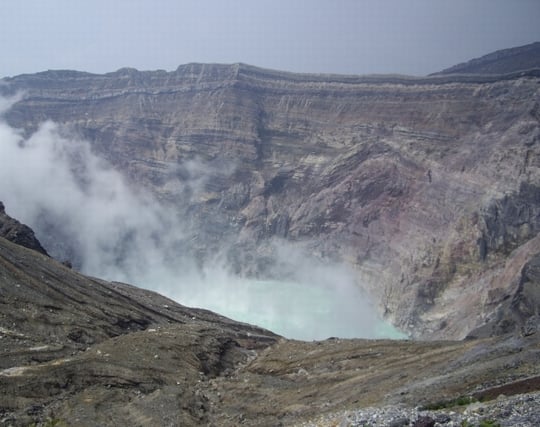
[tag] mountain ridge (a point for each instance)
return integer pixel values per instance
(222, 71)
(500, 62)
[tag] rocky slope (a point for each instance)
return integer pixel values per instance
(76, 350)
(428, 187)
(98, 353)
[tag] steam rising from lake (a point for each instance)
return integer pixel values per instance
(54, 183)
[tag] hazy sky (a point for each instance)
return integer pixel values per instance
(340, 36)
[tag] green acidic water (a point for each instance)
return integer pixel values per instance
(300, 311)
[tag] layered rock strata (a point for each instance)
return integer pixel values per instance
(428, 187)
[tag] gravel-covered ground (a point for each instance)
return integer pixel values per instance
(516, 411)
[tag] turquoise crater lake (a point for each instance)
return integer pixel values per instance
(298, 310)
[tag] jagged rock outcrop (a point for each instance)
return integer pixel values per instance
(517, 311)
(426, 186)
(18, 233)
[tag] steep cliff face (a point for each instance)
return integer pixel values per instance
(427, 186)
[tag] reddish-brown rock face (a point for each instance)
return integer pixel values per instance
(428, 187)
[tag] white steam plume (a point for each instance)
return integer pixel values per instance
(50, 181)
(59, 187)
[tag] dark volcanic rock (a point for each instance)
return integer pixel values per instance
(18, 233)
